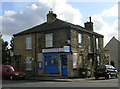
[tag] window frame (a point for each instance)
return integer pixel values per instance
(89, 43)
(97, 43)
(79, 40)
(49, 40)
(28, 42)
(29, 62)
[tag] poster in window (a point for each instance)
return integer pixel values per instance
(75, 60)
(40, 65)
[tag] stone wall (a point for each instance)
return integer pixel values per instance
(38, 39)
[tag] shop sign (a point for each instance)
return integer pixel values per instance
(60, 49)
(64, 49)
(67, 48)
(50, 50)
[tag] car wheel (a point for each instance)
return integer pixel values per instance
(116, 75)
(108, 76)
(96, 77)
(11, 77)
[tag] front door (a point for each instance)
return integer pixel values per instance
(64, 65)
(51, 62)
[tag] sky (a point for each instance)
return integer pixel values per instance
(19, 16)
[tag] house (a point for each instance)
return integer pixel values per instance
(58, 48)
(114, 47)
(107, 57)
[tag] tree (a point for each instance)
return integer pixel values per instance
(5, 52)
(12, 44)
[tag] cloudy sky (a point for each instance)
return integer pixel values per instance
(19, 16)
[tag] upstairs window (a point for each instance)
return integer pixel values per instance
(89, 44)
(79, 40)
(28, 43)
(49, 40)
(97, 43)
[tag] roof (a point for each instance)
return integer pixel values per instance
(57, 24)
(111, 41)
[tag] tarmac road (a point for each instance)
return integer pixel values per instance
(62, 83)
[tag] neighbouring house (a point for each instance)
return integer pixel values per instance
(107, 57)
(114, 47)
(58, 48)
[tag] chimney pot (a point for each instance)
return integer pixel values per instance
(51, 17)
(90, 18)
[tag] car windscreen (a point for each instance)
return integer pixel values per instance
(100, 68)
(11, 69)
(110, 67)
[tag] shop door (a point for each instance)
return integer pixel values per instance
(51, 62)
(64, 65)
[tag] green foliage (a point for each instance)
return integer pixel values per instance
(5, 52)
(12, 44)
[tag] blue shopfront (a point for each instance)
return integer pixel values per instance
(51, 63)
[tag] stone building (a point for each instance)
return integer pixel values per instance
(114, 47)
(107, 57)
(58, 48)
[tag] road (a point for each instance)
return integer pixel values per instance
(74, 83)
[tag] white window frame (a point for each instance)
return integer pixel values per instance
(49, 40)
(28, 63)
(79, 39)
(29, 42)
(97, 47)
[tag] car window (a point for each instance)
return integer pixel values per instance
(11, 69)
(110, 67)
(6, 69)
(101, 68)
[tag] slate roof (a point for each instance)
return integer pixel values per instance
(57, 24)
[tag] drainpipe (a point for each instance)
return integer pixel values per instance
(35, 59)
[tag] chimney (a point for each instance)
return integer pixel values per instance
(89, 25)
(51, 17)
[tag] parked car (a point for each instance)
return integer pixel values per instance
(8, 72)
(106, 71)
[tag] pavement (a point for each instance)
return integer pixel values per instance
(63, 79)
(58, 79)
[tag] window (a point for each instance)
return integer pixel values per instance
(28, 63)
(97, 43)
(6, 69)
(49, 40)
(80, 40)
(51, 60)
(28, 43)
(11, 69)
(89, 44)
(75, 60)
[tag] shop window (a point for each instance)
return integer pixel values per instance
(28, 43)
(49, 40)
(28, 63)
(79, 40)
(75, 60)
(51, 60)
